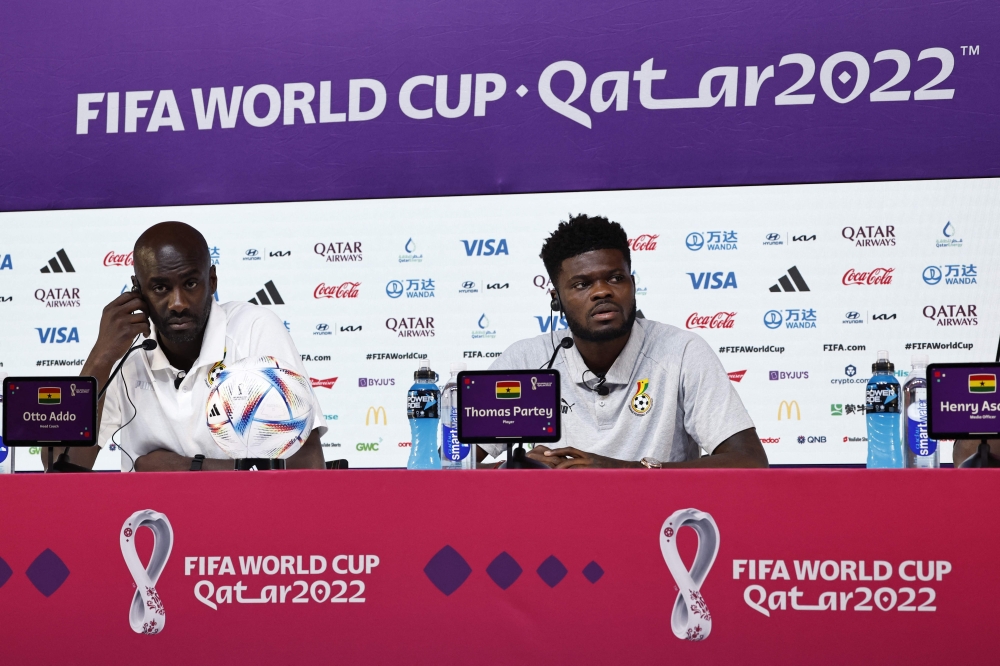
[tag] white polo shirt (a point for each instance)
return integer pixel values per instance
(174, 418)
(687, 404)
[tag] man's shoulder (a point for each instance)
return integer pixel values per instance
(240, 316)
(666, 340)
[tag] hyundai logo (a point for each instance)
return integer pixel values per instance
(251, 253)
(694, 241)
(322, 327)
(932, 275)
(394, 289)
(772, 319)
(468, 284)
(850, 371)
(772, 237)
(852, 315)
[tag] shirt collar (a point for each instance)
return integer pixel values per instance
(213, 344)
(621, 370)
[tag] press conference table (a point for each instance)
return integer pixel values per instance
(813, 566)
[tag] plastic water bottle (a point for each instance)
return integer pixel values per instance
(454, 454)
(422, 410)
(882, 409)
(920, 450)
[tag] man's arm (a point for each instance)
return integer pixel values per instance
(742, 450)
(966, 448)
(310, 456)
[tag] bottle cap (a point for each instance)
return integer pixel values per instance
(882, 362)
(425, 372)
(919, 360)
(458, 367)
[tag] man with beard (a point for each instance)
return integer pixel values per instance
(635, 393)
(154, 409)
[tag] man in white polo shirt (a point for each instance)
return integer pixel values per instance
(635, 393)
(154, 409)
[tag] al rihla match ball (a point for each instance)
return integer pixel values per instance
(259, 408)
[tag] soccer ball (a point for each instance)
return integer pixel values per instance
(259, 408)
(641, 403)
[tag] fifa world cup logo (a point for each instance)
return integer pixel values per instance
(690, 619)
(146, 614)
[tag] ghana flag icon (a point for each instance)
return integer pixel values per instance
(49, 395)
(508, 390)
(982, 383)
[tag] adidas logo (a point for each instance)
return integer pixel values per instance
(268, 290)
(215, 411)
(786, 284)
(59, 264)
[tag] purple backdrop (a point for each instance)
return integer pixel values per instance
(53, 51)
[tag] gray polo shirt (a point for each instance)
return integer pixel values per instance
(669, 395)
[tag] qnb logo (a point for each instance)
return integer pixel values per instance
(342, 290)
(552, 322)
(485, 247)
(643, 242)
(713, 280)
(792, 281)
(112, 259)
(811, 439)
(785, 408)
(711, 240)
(870, 236)
(411, 327)
(59, 264)
(57, 336)
(873, 277)
(690, 619)
(350, 251)
(951, 274)
(717, 320)
(146, 613)
(952, 315)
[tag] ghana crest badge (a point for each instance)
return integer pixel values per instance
(214, 372)
(641, 403)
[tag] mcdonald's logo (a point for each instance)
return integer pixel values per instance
(374, 412)
(787, 406)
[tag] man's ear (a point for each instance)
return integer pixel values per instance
(213, 280)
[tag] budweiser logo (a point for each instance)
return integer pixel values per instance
(874, 276)
(643, 242)
(736, 375)
(112, 259)
(323, 383)
(718, 320)
(345, 290)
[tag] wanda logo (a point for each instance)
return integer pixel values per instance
(643, 242)
(718, 320)
(874, 276)
(345, 290)
(112, 259)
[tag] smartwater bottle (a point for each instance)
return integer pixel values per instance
(919, 450)
(422, 410)
(882, 409)
(454, 454)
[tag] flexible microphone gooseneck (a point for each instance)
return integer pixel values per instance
(565, 343)
(147, 345)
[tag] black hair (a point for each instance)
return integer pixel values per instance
(582, 233)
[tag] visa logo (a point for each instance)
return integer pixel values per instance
(6, 263)
(554, 321)
(485, 248)
(58, 335)
(713, 280)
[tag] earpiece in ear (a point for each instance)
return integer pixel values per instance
(555, 304)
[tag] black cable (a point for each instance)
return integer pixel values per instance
(601, 389)
(135, 413)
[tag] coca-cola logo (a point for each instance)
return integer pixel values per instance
(344, 290)
(718, 320)
(874, 276)
(643, 242)
(112, 259)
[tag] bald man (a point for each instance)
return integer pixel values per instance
(172, 301)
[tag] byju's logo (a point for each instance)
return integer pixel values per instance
(952, 315)
(414, 288)
(552, 322)
(6, 263)
(713, 280)
(58, 336)
(59, 264)
(409, 255)
(482, 330)
(643, 242)
(485, 247)
(952, 274)
(59, 298)
(411, 327)
(718, 320)
(711, 240)
(870, 236)
(792, 281)
(778, 375)
(950, 239)
(792, 318)
(349, 251)
(372, 382)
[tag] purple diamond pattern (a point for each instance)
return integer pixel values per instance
(503, 570)
(47, 573)
(5, 572)
(593, 572)
(447, 570)
(551, 571)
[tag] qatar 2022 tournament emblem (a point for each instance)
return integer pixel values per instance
(690, 619)
(641, 402)
(146, 614)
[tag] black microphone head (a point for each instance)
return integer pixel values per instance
(149, 344)
(603, 390)
(566, 342)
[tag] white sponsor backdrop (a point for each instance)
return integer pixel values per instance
(431, 247)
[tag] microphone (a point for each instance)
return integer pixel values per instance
(565, 343)
(148, 344)
(601, 388)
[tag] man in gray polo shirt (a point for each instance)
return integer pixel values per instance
(635, 393)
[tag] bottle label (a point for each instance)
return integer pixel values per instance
(422, 403)
(453, 450)
(916, 426)
(882, 397)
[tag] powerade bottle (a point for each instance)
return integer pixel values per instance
(920, 450)
(454, 454)
(422, 409)
(882, 409)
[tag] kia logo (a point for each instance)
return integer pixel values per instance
(694, 241)
(322, 327)
(772, 319)
(932, 275)
(394, 289)
(497, 285)
(773, 237)
(251, 253)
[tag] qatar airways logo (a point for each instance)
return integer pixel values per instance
(718, 320)
(872, 277)
(870, 235)
(643, 242)
(344, 290)
(112, 259)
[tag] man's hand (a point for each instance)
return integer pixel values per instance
(539, 453)
(121, 321)
(568, 457)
